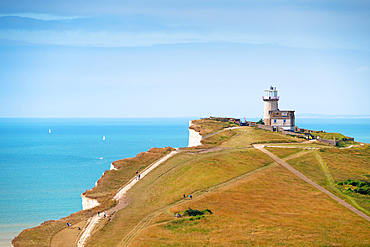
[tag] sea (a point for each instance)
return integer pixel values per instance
(45, 164)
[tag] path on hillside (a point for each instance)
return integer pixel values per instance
(196, 194)
(143, 223)
(303, 177)
(215, 133)
(93, 221)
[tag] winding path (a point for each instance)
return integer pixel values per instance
(93, 221)
(303, 177)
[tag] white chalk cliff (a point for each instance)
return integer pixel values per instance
(194, 137)
(88, 203)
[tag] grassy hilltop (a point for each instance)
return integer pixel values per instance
(240, 196)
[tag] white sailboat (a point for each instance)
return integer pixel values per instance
(49, 131)
(103, 138)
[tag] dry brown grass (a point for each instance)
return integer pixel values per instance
(41, 236)
(254, 135)
(217, 139)
(182, 174)
(346, 164)
(112, 180)
(207, 126)
(270, 208)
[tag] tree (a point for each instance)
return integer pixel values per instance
(260, 121)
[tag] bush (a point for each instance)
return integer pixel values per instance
(196, 212)
(363, 187)
(198, 217)
(193, 212)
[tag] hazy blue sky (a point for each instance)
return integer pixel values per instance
(115, 58)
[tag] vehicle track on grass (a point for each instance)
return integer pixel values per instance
(145, 222)
(331, 182)
(303, 177)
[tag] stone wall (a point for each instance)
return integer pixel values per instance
(332, 142)
(265, 127)
(292, 133)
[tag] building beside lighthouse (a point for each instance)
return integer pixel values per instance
(274, 117)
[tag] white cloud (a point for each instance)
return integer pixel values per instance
(42, 16)
(124, 39)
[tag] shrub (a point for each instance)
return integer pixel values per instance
(192, 212)
(198, 217)
(196, 212)
(340, 183)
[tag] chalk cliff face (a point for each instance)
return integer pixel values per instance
(194, 137)
(88, 203)
(112, 167)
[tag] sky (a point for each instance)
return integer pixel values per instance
(183, 58)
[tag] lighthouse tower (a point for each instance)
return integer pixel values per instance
(270, 99)
(273, 116)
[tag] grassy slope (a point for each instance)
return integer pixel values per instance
(255, 202)
(268, 207)
(184, 173)
(109, 183)
(328, 166)
(112, 180)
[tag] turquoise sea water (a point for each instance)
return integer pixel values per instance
(359, 128)
(42, 175)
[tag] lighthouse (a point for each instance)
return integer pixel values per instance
(272, 115)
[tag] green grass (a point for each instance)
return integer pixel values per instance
(247, 136)
(309, 166)
(284, 152)
(207, 126)
(330, 136)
